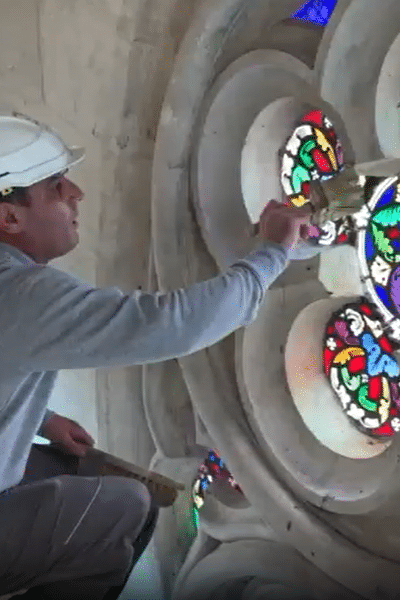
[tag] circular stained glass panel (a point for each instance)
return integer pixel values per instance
(379, 252)
(314, 152)
(359, 362)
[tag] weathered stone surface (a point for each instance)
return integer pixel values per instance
(207, 49)
(349, 65)
(257, 569)
(99, 73)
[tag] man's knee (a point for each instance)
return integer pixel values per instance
(140, 498)
(132, 498)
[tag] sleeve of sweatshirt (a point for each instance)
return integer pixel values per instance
(51, 320)
(305, 251)
(47, 416)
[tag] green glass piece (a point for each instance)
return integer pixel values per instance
(388, 216)
(300, 175)
(364, 401)
(195, 517)
(351, 382)
(304, 151)
(382, 243)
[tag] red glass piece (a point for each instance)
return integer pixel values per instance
(392, 233)
(385, 344)
(374, 388)
(365, 309)
(315, 116)
(330, 330)
(323, 164)
(331, 136)
(341, 239)
(328, 358)
(356, 365)
(305, 189)
(393, 411)
(385, 429)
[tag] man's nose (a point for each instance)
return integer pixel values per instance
(74, 192)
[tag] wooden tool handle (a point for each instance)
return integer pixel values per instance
(163, 489)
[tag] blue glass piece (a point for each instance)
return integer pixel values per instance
(378, 361)
(316, 11)
(396, 245)
(386, 198)
(383, 296)
(369, 247)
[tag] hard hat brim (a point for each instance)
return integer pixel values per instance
(31, 152)
(66, 160)
(75, 156)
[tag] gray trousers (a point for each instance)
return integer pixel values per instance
(69, 536)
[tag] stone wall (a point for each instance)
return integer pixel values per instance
(97, 72)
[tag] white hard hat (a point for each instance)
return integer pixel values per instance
(31, 151)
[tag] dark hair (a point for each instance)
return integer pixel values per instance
(19, 195)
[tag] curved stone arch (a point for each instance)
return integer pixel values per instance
(168, 410)
(182, 259)
(256, 570)
(327, 37)
(227, 516)
(349, 65)
(314, 472)
(258, 80)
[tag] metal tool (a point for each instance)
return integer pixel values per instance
(344, 194)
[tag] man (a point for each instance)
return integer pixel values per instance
(61, 535)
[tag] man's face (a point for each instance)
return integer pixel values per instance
(48, 228)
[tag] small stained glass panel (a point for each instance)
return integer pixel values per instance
(317, 12)
(379, 249)
(314, 152)
(359, 363)
(211, 469)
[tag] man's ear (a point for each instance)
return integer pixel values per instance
(12, 218)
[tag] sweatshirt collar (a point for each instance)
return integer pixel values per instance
(16, 253)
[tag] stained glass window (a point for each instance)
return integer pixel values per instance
(213, 468)
(359, 362)
(316, 11)
(341, 231)
(314, 152)
(379, 252)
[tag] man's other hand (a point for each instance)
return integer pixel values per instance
(68, 435)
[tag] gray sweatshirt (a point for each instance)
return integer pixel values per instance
(50, 320)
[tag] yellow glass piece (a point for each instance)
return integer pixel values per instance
(345, 355)
(385, 389)
(299, 201)
(199, 502)
(384, 410)
(326, 147)
(385, 401)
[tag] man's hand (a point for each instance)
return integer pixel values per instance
(68, 435)
(284, 225)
